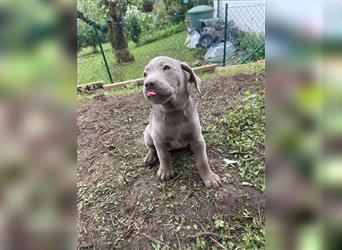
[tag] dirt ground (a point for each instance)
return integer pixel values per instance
(123, 205)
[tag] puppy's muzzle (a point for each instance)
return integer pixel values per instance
(154, 88)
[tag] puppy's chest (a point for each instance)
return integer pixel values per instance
(176, 132)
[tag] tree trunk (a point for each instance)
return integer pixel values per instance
(94, 47)
(118, 38)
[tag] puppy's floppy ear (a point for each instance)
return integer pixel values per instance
(193, 77)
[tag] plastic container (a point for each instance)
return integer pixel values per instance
(199, 12)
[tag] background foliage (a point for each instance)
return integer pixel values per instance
(249, 42)
(160, 32)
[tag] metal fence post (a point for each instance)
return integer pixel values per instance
(218, 8)
(225, 35)
(103, 54)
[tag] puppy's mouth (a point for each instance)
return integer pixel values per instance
(155, 93)
(151, 93)
(157, 97)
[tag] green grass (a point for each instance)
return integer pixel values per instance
(242, 132)
(243, 68)
(246, 232)
(90, 67)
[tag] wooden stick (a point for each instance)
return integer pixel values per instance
(90, 86)
(139, 81)
(200, 234)
(156, 241)
(239, 66)
(124, 84)
(218, 243)
(205, 68)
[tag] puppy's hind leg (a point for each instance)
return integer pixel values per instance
(151, 156)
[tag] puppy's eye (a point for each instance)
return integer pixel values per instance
(145, 74)
(166, 67)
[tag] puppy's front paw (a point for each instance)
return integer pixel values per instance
(211, 180)
(150, 158)
(165, 173)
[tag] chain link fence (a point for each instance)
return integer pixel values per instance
(150, 35)
(246, 30)
(90, 63)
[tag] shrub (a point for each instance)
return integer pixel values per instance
(133, 28)
(86, 37)
(151, 37)
(175, 13)
(168, 12)
(249, 41)
(135, 22)
(201, 2)
(159, 18)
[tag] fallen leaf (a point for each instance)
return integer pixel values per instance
(229, 162)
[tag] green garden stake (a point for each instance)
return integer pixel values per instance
(103, 54)
(225, 35)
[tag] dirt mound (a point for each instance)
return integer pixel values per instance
(123, 205)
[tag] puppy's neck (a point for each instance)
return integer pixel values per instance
(175, 105)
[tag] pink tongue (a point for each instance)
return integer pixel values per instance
(151, 93)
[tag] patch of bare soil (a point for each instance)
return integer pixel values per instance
(123, 205)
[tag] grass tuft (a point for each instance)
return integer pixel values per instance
(242, 132)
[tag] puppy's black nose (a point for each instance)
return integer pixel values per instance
(149, 85)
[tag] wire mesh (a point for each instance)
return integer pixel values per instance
(247, 31)
(90, 63)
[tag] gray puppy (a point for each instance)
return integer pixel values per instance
(174, 121)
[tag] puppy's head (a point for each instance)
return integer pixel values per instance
(166, 78)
